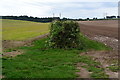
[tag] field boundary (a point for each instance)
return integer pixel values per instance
(6, 44)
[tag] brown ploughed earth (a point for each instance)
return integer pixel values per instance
(105, 31)
(107, 28)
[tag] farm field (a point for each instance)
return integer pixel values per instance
(22, 30)
(59, 40)
(103, 27)
(90, 62)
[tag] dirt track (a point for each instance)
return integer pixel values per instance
(6, 44)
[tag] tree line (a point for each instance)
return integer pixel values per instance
(36, 19)
(50, 19)
(27, 18)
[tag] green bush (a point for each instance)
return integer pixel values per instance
(64, 34)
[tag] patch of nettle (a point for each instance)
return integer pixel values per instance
(64, 34)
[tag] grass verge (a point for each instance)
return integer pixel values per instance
(39, 62)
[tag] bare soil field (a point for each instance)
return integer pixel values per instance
(105, 31)
(104, 27)
(106, 23)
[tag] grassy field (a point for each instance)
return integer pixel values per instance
(22, 30)
(39, 62)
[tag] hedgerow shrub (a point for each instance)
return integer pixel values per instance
(64, 34)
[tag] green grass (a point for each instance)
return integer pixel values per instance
(22, 30)
(39, 62)
(114, 68)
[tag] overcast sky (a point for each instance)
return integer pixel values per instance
(68, 8)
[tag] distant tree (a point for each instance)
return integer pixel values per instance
(64, 19)
(87, 18)
(94, 18)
